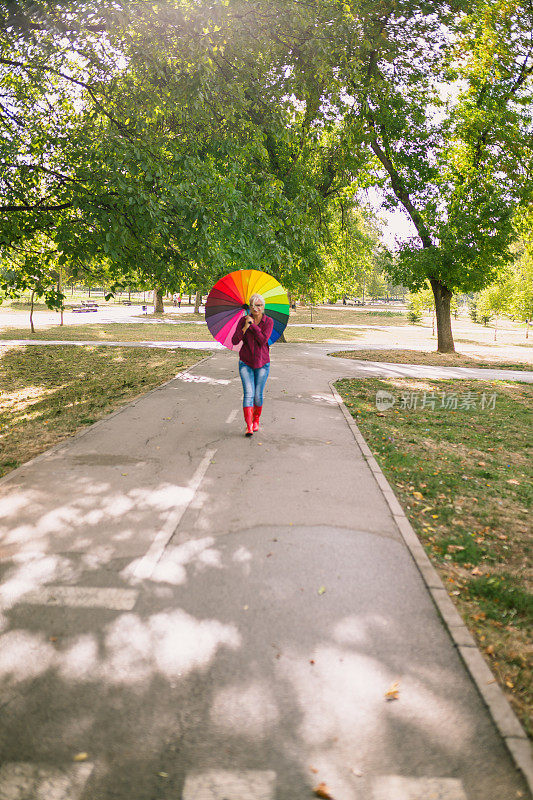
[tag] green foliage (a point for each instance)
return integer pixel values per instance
(421, 301)
(171, 155)
(493, 301)
(168, 143)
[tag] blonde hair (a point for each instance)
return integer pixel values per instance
(256, 297)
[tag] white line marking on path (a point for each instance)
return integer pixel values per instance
(222, 785)
(144, 567)
(232, 416)
(82, 597)
(21, 781)
(396, 787)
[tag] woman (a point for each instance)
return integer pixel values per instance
(254, 331)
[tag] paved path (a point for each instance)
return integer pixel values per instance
(197, 616)
(362, 369)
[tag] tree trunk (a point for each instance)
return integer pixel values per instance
(443, 297)
(527, 328)
(159, 308)
(31, 312)
(197, 302)
(59, 289)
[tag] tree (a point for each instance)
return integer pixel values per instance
(218, 134)
(520, 304)
(170, 155)
(451, 163)
(351, 250)
(493, 301)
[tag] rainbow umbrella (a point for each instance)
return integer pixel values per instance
(228, 302)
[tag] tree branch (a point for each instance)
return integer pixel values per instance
(35, 207)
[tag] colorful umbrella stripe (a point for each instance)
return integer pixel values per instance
(228, 302)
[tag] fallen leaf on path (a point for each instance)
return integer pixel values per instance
(357, 772)
(322, 590)
(322, 791)
(514, 482)
(476, 571)
(313, 769)
(418, 495)
(81, 757)
(394, 691)
(163, 774)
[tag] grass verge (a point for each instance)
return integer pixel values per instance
(464, 478)
(156, 331)
(322, 335)
(159, 331)
(49, 393)
(337, 316)
(432, 359)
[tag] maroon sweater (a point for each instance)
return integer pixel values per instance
(254, 351)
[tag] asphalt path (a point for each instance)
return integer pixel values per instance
(190, 614)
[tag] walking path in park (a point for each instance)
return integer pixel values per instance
(188, 614)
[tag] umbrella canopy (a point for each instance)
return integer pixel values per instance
(228, 301)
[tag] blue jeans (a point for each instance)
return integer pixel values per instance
(253, 384)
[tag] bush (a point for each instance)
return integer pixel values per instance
(414, 316)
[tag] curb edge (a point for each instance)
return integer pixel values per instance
(500, 710)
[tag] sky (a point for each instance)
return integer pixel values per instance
(397, 227)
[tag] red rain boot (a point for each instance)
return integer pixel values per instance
(249, 417)
(257, 414)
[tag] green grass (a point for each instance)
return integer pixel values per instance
(115, 331)
(465, 480)
(48, 393)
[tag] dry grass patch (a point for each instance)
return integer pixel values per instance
(432, 359)
(352, 316)
(321, 335)
(48, 393)
(464, 476)
(157, 331)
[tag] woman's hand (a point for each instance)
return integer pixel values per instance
(248, 320)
